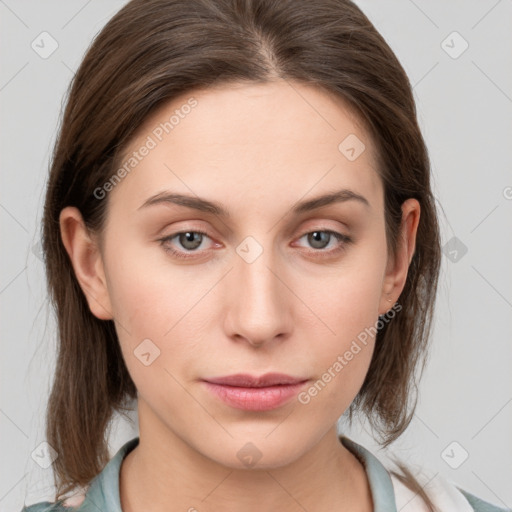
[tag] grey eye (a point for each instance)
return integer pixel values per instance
(190, 239)
(319, 239)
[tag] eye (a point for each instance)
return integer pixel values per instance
(319, 239)
(190, 241)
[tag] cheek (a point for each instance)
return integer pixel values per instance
(347, 299)
(148, 295)
(347, 303)
(340, 359)
(159, 314)
(152, 316)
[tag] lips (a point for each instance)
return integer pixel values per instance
(255, 393)
(244, 380)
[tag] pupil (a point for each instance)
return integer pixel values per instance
(189, 237)
(317, 238)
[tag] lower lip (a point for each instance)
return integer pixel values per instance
(255, 399)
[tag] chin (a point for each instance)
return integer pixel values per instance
(257, 452)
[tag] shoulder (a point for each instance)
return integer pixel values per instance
(445, 495)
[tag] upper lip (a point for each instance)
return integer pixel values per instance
(249, 381)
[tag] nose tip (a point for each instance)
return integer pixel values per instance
(258, 307)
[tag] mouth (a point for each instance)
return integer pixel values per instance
(252, 393)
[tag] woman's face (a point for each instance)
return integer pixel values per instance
(280, 281)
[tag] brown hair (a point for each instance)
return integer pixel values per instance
(154, 50)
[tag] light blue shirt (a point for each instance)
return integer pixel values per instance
(103, 492)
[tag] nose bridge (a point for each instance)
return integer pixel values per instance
(258, 295)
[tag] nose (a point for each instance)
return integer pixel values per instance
(259, 306)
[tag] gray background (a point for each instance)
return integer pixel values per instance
(464, 105)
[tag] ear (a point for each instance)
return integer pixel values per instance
(398, 266)
(87, 262)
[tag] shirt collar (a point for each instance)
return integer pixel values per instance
(103, 493)
(381, 486)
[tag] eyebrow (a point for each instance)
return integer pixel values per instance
(204, 205)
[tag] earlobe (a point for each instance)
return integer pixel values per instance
(86, 260)
(398, 267)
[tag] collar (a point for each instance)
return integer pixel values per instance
(381, 486)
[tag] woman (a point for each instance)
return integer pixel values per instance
(239, 233)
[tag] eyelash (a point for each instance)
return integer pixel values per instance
(343, 240)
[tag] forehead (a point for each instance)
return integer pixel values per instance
(281, 138)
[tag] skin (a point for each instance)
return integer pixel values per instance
(294, 309)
